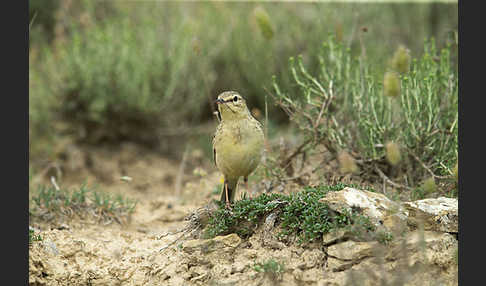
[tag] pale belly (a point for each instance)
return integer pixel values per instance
(238, 155)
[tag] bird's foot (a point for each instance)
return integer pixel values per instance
(228, 205)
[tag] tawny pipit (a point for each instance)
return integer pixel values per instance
(237, 144)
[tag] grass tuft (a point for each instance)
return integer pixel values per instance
(49, 203)
(33, 237)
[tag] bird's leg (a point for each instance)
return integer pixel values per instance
(245, 180)
(226, 193)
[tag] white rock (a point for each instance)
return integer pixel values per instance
(440, 214)
(375, 206)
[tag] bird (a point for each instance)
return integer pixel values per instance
(237, 143)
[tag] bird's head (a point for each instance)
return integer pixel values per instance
(231, 105)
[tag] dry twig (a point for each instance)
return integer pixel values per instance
(384, 177)
(425, 166)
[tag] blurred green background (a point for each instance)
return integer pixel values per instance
(103, 72)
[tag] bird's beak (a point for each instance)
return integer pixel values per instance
(218, 101)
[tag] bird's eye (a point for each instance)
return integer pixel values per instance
(235, 99)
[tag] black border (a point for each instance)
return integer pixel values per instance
(464, 172)
(15, 146)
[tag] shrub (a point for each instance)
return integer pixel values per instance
(343, 108)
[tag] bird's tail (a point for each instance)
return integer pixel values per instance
(232, 184)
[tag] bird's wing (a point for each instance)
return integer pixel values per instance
(258, 123)
(218, 130)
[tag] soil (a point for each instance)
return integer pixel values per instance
(86, 252)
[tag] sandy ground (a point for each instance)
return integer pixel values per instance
(87, 252)
(165, 194)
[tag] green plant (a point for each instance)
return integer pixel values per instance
(343, 108)
(417, 194)
(300, 214)
(384, 237)
(270, 267)
(49, 202)
(33, 237)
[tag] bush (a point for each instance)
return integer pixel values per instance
(343, 108)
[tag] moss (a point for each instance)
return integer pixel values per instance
(300, 214)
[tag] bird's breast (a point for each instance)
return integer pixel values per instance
(239, 149)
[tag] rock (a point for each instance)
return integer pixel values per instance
(269, 232)
(328, 283)
(313, 258)
(297, 274)
(230, 240)
(335, 236)
(249, 254)
(418, 246)
(334, 264)
(440, 214)
(414, 258)
(221, 270)
(50, 247)
(210, 245)
(395, 223)
(311, 275)
(352, 250)
(375, 206)
(238, 267)
(199, 273)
